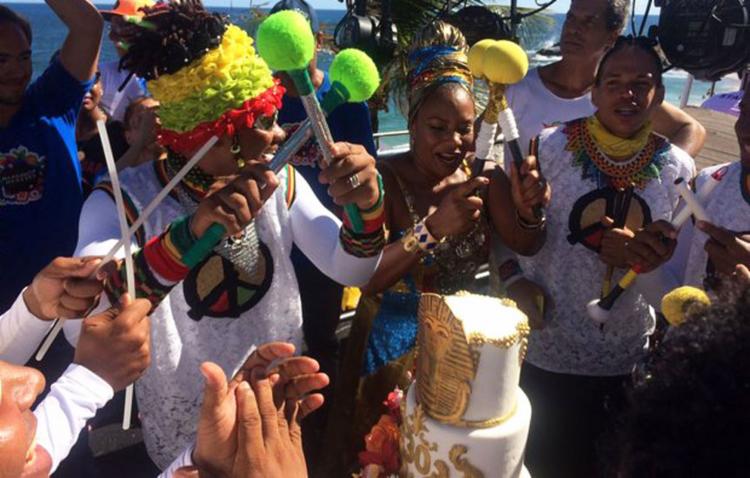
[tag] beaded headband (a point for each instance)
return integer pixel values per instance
(203, 71)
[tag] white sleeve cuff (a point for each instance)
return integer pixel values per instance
(185, 459)
(20, 332)
(73, 399)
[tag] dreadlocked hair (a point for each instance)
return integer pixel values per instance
(172, 35)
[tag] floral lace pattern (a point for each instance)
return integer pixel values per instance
(170, 393)
(571, 342)
(726, 208)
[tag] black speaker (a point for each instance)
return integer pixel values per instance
(707, 38)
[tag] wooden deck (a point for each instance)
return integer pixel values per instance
(721, 142)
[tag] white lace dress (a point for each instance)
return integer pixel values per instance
(216, 313)
(572, 274)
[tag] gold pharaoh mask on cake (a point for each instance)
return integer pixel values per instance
(448, 358)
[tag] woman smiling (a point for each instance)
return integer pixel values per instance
(439, 216)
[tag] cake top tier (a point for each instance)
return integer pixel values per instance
(488, 319)
(470, 353)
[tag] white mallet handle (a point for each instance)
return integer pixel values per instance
(507, 121)
(51, 336)
(136, 225)
(125, 237)
(693, 206)
(486, 140)
(703, 192)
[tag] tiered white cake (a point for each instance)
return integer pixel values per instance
(465, 415)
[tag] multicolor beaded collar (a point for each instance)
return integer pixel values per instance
(196, 183)
(638, 170)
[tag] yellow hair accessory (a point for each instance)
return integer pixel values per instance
(233, 58)
(616, 147)
(222, 80)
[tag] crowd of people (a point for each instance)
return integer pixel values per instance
(211, 336)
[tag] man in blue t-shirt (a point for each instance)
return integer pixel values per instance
(321, 296)
(40, 187)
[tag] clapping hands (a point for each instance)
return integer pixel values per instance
(249, 426)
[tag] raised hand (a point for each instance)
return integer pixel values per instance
(115, 344)
(63, 289)
(652, 246)
(530, 191)
(269, 438)
(293, 378)
(235, 202)
(726, 249)
(459, 210)
(613, 245)
(351, 177)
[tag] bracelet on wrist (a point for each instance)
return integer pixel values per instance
(366, 221)
(419, 239)
(529, 226)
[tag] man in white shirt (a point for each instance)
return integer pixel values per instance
(575, 367)
(561, 91)
(113, 350)
(120, 87)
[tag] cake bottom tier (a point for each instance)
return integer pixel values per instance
(430, 448)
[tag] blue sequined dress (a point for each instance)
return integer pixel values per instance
(380, 352)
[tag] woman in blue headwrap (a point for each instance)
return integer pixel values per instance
(439, 216)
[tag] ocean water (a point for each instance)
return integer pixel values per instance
(49, 34)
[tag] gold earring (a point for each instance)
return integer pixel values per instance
(236, 152)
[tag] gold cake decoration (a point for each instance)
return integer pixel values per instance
(416, 450)
(446, 366)
(447, 360)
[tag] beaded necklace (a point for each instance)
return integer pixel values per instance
(638, 170)
(241, 251)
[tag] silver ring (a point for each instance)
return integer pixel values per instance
(353, 181)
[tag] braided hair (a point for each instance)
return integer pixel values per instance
(643, 44)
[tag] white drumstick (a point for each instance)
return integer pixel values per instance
(691, 202)
(703, 192)
(485, 140)
(159, 197)
(134, 228)
(125, 237)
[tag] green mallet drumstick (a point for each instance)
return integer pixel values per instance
(354, 79)
(286, 43)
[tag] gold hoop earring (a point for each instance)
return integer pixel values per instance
(237, 152)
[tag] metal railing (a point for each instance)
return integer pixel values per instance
(388, 134)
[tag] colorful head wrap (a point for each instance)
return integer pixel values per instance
(203, 71)
(438, 57)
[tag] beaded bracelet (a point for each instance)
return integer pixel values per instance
(420, 238)
(366, 221)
